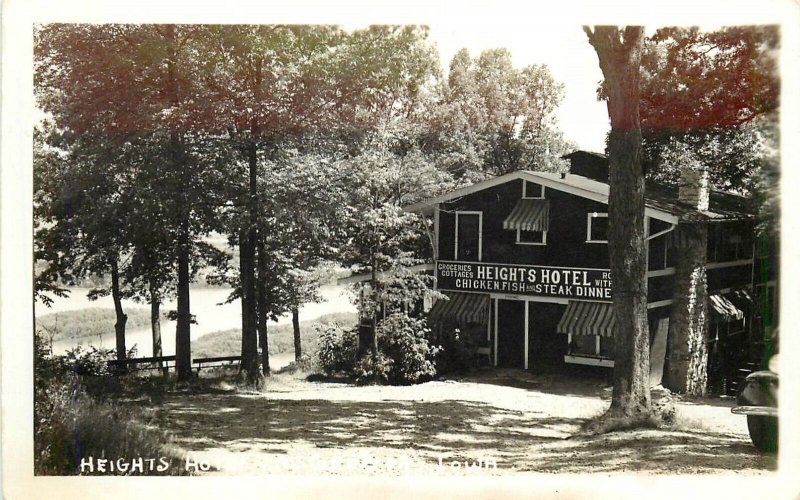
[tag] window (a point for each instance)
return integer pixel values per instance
(531, 237)
(597, 227)
(469, 239)
(532, 190)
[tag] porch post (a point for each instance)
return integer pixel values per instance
(527, 307)
(496, 330)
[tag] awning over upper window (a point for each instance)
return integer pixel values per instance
(462, 308)
(728, 307)
(529, 215)
(588, 318)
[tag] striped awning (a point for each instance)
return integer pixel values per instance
(462, 308)
(588, 318)
(529, 215)
(728, 307)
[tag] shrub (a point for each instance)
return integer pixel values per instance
(69, 425)
(89, 362)
(373, 369)
(338, 348)
(75, 427)
(306, 364)
(404, 340)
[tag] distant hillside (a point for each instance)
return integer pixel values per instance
(89, 322)
(281, 338)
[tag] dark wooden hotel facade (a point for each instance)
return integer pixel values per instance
(524, 260)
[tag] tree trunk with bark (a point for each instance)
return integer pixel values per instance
(619, 53)
(263, 309)
(249, 365)
(688, 352)
(296, 330)
(155, 325)
(122, 318)
(183, 342)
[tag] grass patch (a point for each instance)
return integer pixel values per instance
(76, 435)
(89, 322)
(281, 337)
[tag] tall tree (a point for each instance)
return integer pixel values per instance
(619, 52)
(490, 117)
(709, 102)
(715, 92)
(119, 84)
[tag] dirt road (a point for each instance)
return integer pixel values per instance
(497, 424)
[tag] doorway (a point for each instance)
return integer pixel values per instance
(511, 333)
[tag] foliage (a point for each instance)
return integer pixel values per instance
(404, 341)
(306, 364)
(489, 117)
(70, 425)
(715, 93)
(89, 322)
(338, 348)
(373, 369)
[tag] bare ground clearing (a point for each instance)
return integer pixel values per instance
(524, 422)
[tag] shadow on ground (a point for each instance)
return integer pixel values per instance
(521, 440)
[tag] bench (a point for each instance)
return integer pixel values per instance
(169, 362)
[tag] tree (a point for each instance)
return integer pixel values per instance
(120, 86)
(709, 102)
(490, 117)
(619, 53)
(716, 93)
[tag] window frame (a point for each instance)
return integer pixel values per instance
(480, 232)
(526, 196)
(589, 217)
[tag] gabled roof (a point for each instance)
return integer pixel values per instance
(661, 202)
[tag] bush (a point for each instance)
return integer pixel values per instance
(373, 369)
(404, 340)
(69, 425)
(75, 427)
(306, 363)
(338, 348)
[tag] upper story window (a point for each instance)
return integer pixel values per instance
(469, 237)
(596, 227)
(532, 190)
(531, 237)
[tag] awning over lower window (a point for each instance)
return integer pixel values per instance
(462, 308)
(729, 306)
(529, 215)
(588, 318)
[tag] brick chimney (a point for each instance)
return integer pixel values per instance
(693, 187)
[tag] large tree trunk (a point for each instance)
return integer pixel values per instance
(183, 342)
(122, 318)
(688, 352)
(619, 53)
(155, 324)
(183, 354)
(249, 364)
(263, 310)
(296, 329)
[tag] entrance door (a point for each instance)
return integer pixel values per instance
(511, 333)
(468, 236)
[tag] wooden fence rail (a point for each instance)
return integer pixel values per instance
(169, 362)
